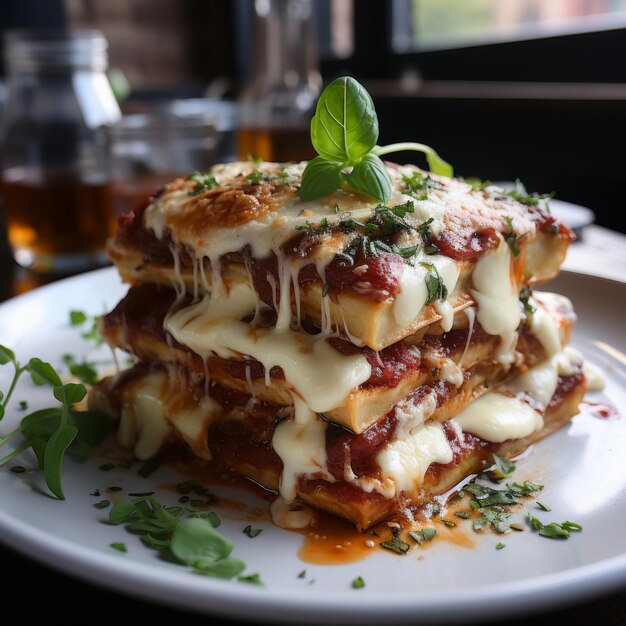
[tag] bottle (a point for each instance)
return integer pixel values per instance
(277, 105)
(55, 156)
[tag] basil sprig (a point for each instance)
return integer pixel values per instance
(344, 132)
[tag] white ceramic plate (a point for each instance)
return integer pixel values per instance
(582, 467)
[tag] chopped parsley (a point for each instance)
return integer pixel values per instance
(524, 297)
(477, 184)
(425, 534)
(500, 546)
(358, 583)
(120, 547)
(418, 185)
(543, 507)
(436, 288)
(255, 177)
(252, 532)
(396, 545)
(534, 199)
(554, 530)
(504, 467)
(512, 237)
(23, 405)
(204, 182)
(463, 514)
(103, 504)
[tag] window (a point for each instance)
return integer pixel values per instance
(420, 25)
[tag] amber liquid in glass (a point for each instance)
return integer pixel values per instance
(57, 223)
(275, 144)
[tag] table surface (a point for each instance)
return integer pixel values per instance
(600, 252)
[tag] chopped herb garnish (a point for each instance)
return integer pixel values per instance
(512, 237)
(534, 199)
(302, 574)
(504, 467)
(425, 534)
(418, 185)
(183, 499)
(462, 514)
(396, 545)
(543, 507)
(344, 133)
(252, 532)
(500, 546)
(324, 290)
(77, 318)
(148, 468)
(524, 297)
(447, 522)
(358, 583)
(477, 184)
(554, 530)
(527, 487)
(18, 469)
(23, 405)
(120, 547)
(103, 504)
(254, 579)
(435, 286)
(204, 182)
(255, 177)
(95, 493)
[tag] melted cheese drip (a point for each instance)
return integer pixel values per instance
(594, 376)
(291, 515)
(315, 370)
(497, 299)
(544, 325)
(506, 413)
(414, 293)
(301, 445)
(404, 462)
(150, 413)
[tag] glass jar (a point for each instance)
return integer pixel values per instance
(277, 105)
(148, 150)
(55, 157)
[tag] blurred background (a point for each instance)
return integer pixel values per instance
(503, 89)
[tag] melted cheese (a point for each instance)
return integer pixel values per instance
(495, 417)
(291, 515)
(411, 413)
(300, 443)
(144, 425)
(315, 370)
(413, 294)
(404, 461)
(594, 376)
(497, 299)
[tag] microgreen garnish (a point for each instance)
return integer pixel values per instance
(78, 318)
(436, 288)
(120, 547)
(396, 545)
(192, 541)
(344, 132)
(50, 432)
(204, 182)
(358, 583)
(85, 372)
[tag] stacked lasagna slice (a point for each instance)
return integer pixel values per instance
(362, 358)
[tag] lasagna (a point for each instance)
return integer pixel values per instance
(359, 357)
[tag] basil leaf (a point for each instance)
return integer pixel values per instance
(196, 543)
(370, 177)
(320, 177)
(122, 511)
(344, 127)
(53, 457)
(43, 373)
